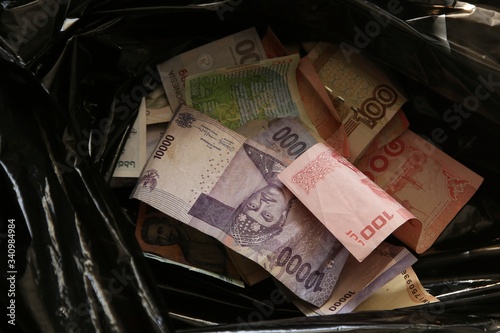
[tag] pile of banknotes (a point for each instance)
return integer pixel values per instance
(254, 161)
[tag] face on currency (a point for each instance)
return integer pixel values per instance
(266, 206)
(160, 232)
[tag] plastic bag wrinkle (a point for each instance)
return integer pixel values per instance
(82, 253)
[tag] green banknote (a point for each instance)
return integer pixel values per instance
(235, 95)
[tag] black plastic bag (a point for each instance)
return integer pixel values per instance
(72, 78)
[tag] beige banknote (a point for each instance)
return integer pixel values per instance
(405, 290)
(157, 108)
(236, 49)
(225, 185)
(425, 180)
(364, 96)
(133, 156)
(154, 132)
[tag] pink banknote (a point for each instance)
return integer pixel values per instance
(351, 206)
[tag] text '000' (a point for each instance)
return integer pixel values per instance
(294, 265)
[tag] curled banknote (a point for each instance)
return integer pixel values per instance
(356, 210)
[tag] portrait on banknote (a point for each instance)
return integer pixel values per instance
(169, 238)
(256, 214)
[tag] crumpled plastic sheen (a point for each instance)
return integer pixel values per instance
(72, 77)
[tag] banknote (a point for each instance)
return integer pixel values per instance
(359, 280)
(157, 108)
(240, 48)
(404, 290)
(394, 128)
(362, 94)
(133, 156)
(320, 109)
(250, 272)
(321, 114)
(355, 209)
(277, 135)
(253, 127)
(289, 137)
(225, 185)
(175, 242)
(154, 133)
(425, 180)
(238, 94)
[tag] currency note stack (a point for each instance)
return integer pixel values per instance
(304, 165)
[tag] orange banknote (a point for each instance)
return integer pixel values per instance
(429, 183)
